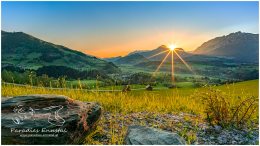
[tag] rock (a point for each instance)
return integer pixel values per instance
(236, 138)
(217, 128)
(233, 142)
(212, 137)
(222, 140)
(149, 88)
(47, 119)
(140, 135)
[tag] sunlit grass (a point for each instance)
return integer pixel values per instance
(135, 101)
(165, 101)
(187, 100)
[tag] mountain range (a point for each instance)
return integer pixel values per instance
(145, 56)
(25, 51)
(238, 46)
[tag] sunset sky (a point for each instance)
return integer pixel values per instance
(106, 29)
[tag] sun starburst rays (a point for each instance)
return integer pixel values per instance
(158, 54)
(184, 62)
(161, 63)
(172, 50)
(172, 67)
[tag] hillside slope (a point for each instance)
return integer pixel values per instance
(25, 51)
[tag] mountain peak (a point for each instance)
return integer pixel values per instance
(136, 52)
(233, 45)
(14, 32)
(238, 32)
(163, 46)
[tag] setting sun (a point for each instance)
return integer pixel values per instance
(172, 47)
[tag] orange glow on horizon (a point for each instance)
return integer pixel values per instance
(120, 46)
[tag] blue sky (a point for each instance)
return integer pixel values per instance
(109, 29)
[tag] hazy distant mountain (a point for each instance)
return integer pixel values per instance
(242, 47)
(112, 59)
(147, 56)
(155, 56)
(161, 52)
(25, 51)
(138, 51)
(150, 53)
(131, 59)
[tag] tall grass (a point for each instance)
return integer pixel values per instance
(163, 101)
(188, 100)
(224, 111)
(134, 101)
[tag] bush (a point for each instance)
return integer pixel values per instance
(220, 111)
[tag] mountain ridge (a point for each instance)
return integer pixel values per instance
(239, 45)
(26, 51)
(232, 46)
(131, 59)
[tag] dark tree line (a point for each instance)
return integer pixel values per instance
(58, 71)
(70, 73)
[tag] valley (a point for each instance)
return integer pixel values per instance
(65, 67)
(139, 89)
(129, 73)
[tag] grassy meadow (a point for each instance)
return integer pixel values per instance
(159, 101)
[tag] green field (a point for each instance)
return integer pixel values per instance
(159, 101)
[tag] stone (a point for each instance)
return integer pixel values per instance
(140, 135)
(233, 142)
(222, 140)
(217, 128)
(47, 119)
